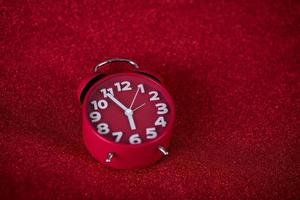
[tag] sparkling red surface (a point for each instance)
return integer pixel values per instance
(114, 116)
(231, 66)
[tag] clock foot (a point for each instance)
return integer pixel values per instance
(163, 150)
(109, 157)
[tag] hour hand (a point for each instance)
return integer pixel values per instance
(129, 114)
(117, 101)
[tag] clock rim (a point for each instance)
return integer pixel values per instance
(167, 95)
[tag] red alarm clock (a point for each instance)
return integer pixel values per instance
(127, 117)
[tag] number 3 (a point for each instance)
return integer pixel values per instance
(162, 108)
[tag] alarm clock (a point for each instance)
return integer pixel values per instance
(127, 116)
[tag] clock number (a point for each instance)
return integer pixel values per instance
(94, 103)
(105, 91)
(154, 96)
(141, 87)
(160, 122)
(151, 133)
(95, 116)
(118, 135)
(102, 128)
(135, 139)
(102, 104)
(162, 108)
(123, 86)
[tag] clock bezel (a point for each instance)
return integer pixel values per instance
(166, 132)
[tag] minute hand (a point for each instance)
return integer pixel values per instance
(117, 102)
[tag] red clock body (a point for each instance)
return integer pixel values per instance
(128, 119)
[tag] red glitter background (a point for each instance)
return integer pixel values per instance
(233, 68)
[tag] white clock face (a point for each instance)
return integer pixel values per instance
(129, 108)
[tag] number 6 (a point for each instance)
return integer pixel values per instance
(135, 139)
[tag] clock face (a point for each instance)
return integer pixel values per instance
(129, 108)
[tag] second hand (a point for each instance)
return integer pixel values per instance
(138, 107)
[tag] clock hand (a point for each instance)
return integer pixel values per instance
(138, 107)
(137, 91)
(129, 114)
(117, 102)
